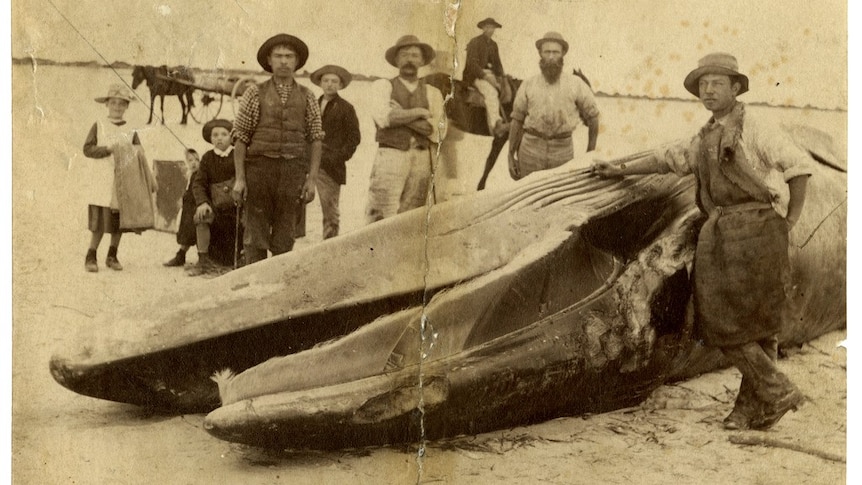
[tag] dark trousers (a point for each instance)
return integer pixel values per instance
(762, 383)
(272, 205)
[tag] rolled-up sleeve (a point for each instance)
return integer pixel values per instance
(519, 108)
(381, 93)
(312, 119)
(585, 100)
(247, 115)
(777, 149)
(676, 157)
(438, 117)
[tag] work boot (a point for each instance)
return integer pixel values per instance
(178, 260)
(789, 402)
(90, 263)
(737, 421)
(204, 266)
(111, 261)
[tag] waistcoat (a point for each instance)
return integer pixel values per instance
(280, 130)
(399, 136)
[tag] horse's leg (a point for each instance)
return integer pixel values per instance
(496, 147)
(152, 105)
(162, 106)
(183, 105)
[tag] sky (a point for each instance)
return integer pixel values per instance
(794, 51)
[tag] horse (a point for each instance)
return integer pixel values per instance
(160, 84)
(471, 118)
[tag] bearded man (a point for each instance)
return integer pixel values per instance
(547, 109)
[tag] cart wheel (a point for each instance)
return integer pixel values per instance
(207, 107)
(238, 88)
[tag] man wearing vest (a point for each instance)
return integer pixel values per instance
(407, 113)
(278, 137)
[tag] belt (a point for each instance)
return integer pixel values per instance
(748, 206)
(537, 134)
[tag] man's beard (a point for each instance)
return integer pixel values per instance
(408, 70)
(551, 70)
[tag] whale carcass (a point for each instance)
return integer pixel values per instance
(567, 294)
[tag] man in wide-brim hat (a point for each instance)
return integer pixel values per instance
(483, 69)
(752, 183)
(278, 137)
(342, 137)
(547, 109)
(407, 112)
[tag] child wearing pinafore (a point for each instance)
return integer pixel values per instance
(118, 178)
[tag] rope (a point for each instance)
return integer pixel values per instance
(108, 65)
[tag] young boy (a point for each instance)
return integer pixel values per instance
(341, 128)
(215, 221)
(115, 151)
(186, 234)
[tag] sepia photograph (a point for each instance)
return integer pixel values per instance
(429, 241)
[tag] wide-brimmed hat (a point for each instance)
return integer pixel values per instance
(207, 131)
(715, 63)
(553, 37)
(282, 39)
(489, 21)
(408, 41)
(118, 91)
(339, 71)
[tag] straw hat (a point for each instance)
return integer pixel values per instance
(207, 131)
(282, 39)
(339, 71)
(553, 37)
(408, 41)
(715, 63)
(118, 91)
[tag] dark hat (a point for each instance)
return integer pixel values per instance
(118, 91)
(553, 37)
(282, 39)
(216, 123)
(715, 63)
(489, 21)
(339, 71)
(408, 41)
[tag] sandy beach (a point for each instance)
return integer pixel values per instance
(62, 437)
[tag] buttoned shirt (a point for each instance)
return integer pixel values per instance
(248, 114)
(554, 109)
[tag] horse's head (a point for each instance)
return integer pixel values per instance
(138, 76)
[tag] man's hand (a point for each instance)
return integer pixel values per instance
(308, 189)
(606, 170)
(203, 213)
(514, 166)
(155, 187)
(239, 191)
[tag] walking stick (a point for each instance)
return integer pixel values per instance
(236, 239)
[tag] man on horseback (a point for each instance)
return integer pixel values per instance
(547, 110)
(484, 70)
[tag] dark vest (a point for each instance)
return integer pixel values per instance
(399, 136)
(280, 131)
